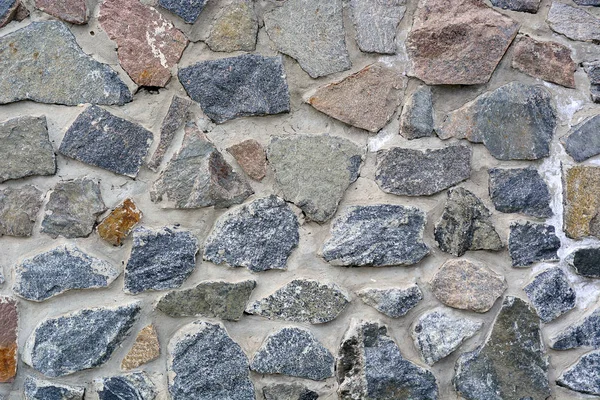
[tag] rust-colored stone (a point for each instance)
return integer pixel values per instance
(73, 11)
(581, 201)
(251, 156)
(9, 320)
(145, 349)
(119, 223)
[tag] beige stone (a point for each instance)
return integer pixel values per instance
(582, 201)
(145, 349)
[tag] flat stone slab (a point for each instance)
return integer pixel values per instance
(584, 375)
(120, 222)
(251, 156)
(72, 11)
(54, 69)
(408, 172)
(146, 348)
(416, 119)
(38, 389)
(529, 6)
(9, 324)
(573, 22)
(581, 185)
(259, 235)
(235, 28)
(530, 243)
(19, 207)
(376, 23)
(583, 140)
(393, 302)
(136, 386)
(520, 190)
(584, 333)
(188, 10)
(585, 261)
(551, 294)
(288, 391)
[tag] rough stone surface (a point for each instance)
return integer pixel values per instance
(465, 225)
(59, 270)
(416, 120)
(376, 235)
(42, 62)
(38, 389)
(302, 300)
(8, 9)
(288, 391)
(251, 156)
(520, 190)
(585, 261)
(592, 70)
(160, 259)
(120, 222)
(135, 386)
(584, 333)
(188, 10)
(235, 28)
(313, 172)
(205, 364)
(530, 6)
(581, 185)
(515, 122)
(312, 32)
(530, 243)
(213, 299)
(573, 22)
(72, 11)
(584, 376)
(458, 42)
(468, 286)
(583, 140)
(146, 348)
(22, 12)
(551, 294)
(511, 364)
(370, 366)
(63, 345)
(375, 23)
(9, 323)
(293, 352)
(393, 302)
(19, 208)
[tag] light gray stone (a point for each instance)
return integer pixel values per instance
(416, 120)
(19, 207)
(584, 376)
(573, 22)
(38, 389)
(288, 391)
(134, 386)
(376, 23)
(530, 243)
(583, 140)
(551, 294)
(520, 190)
(584, 333)
(393, 302)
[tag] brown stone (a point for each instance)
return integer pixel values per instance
(145, 349)
(457, 42)
(120, 222)
(235, 28)
(9, 320)
(148, 45)
(582, 201)
(366, 99)
(251, 156)
(22, 12)
(73, 11)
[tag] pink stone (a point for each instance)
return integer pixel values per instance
(73, 11)
(251, 156)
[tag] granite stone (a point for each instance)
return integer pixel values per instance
(9, 324)
(551, 294)
(38, 389)
(8, 9)
(529, 243)
(592, 69)
(583, 140)
(393, 302)
(235, 28)
(573, 22)
(584, 333)
(584, 375)
(585, 261)
(120, 222)
(251, 157)
(416, 119)
(581, 185)
(19, 207)
(288, 391)
(146, 348)
(375, 23)
(529, 6)
(188, 10)
(519, 190)
(134, 386)
(72, 11)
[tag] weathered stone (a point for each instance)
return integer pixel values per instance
(25, 149)
(293, 352)
(529, 243)
(99, 138)
(312, 32)
(584, 376)
(9, 322)
(8, 9)
(235, 28)
(583, 140)
(72, 208)
(551, 294)
(218, 299)
(243, 86)
(160, 259)
(520, 190)
(22, 12)
(587, 2)
(529, 6)
(375, 23)
(581, 188)
(38, 389)
(409, 172)
(549, 61)
(205, 364)
(465, 225)
(573, 22)
(18, 210)
(198, 176)
(120, 222)
(458, 42)
(52, 68)
(288, 391)
(302, 300)
(134, 386)
(313, 172)
(511, 364)
(80, 340)
(416, 120)
(592, 70)
(438, 333)
(585, 261)
(370, 366)
(59, 270)
(73, 11)
(146, 348)
(515, 122)
(188, 10)
(468, 286)
(582, 334)
(251, 156)
(393, 302)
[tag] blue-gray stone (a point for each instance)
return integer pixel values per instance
(584, 376)
(288, 391)
(529, 243)
(583, 140)
(585, 333)
(8, 9)
(529, 6)
(416, 120)
(520, 190)
(19, 207)
(38, 389)
(134, 386)
(188, 10)
(585, 261)
(551, 294)
(376, 23)
(393, 302)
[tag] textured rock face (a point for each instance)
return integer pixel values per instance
(530, 6)
(581, 185)
(83, 339)
(583, 140)
(288, 391)
(529, 243)
(465, 225)
(393, 302)
(376, 23)
(293, 352)
(458, 42)
(468, 286)
(120, 222)
(8, 9)
(145, 349)
(515, 122)
(408, 172)
(416, 120)
(519, 190)
(312, 32)
(243, 86)
(302, 300)
(160, 259)
(582, 334)
(584, 376)
(585, 261)
(549, 61)
(129, 386)
(378, 235)
(18, 210)
(259, 235)
(235, 28)
(551, 294)
(54, 69)
(512, 358)
(9, 322)
(593, 72)
(573, 22)
(188, 10)
(251, 156)
(205, 363)
(370, 366)
(38, 389)
(313, 172)
(73, 11)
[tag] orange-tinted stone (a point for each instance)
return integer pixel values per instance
(145, 349)
(582, 202)
(119, 223)
(251, 156)
(9, 320)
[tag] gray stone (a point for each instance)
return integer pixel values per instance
(312, 32)
(530, 243)
(8, 9)
(59, 270)
(520, 190)
(551, 294)
(38, 389)
(18, 210)
(585, 261)
(25, 149)
(573, 22)
(370, 366)
(259, 235)
(302, 300)
(313, 172)
(72, 208)
(204, 363)
(438, 333)
(585, 333)
(42, 62)
(293, 352)
(416, 120)
(584, 376)
(529, 6)
(583, 140)
(288, 391)
(243, 86)
(376, 23)
(80, 340)
(511, 364)
(235, 28)
(465, 225)
(160, 259)
(134, 386)
(99, 138)
(188, 10)
(593, 72)
(393, 302)
(408, 172)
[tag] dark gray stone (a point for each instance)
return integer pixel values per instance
(288, 391)
(416, 120)
(585, 333)
(530, 6)
(188, 10)
(370, 366)
(408, 172)
(573, 22)
(101, 139)
(242, 86)
(584, 376)
(530, 243)
(134, 386)
(594, 3)
(376, 23)
(259, 235)
(38, 389)
(160, 259)
(80, 340)
(583, 140)
(293, 352)
(585, 261)
(520, 190)
(393, 302)
(19, 208)
(551, 294)
(593, 72)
